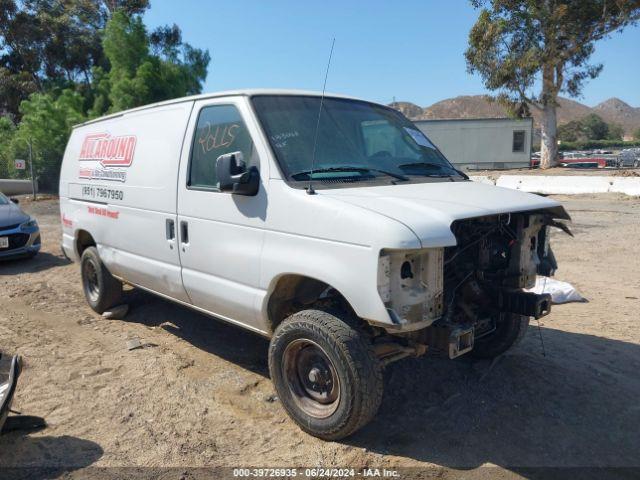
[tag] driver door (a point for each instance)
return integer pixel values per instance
(221, 235)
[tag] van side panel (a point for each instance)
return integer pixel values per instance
(319, 237)
(118, 182)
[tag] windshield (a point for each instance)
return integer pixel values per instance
(356, 140)
(3, 200)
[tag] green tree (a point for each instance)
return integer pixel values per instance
(139, 76)
(47, 120)
(571, 131)
(52, 43)
(636, 134)
(126, 48)
(616, 132)
(516, 45)
(595, 128)
(7, 131)
(590, 127)
(53, 74)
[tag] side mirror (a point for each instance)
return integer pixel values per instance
(234, 176)
(15, 200)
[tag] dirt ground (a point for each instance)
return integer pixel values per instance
(199, 394)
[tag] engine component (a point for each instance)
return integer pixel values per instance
(494, 253)
(496, 257)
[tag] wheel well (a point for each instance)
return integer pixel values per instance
(84, 240)
(293, 293)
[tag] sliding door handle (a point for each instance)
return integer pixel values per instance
(170, 228)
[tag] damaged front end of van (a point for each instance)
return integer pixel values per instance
(472, 296)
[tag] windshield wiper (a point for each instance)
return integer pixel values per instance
(462, 174)
(436, 166)
(397, 176)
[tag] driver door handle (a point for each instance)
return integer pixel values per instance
(184, 233)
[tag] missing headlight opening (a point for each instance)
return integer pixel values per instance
(449, 298)
(410, 284)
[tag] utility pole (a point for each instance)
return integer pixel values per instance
(33, 177)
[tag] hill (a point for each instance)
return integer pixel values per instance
(613, 110)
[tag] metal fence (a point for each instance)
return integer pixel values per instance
(46, 170)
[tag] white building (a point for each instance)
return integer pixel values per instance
(482, 143)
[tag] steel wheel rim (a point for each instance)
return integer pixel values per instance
(91, 284)
(311, 378)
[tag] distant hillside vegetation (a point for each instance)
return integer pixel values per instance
(613, 110)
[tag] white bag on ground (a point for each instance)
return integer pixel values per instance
(561, 292)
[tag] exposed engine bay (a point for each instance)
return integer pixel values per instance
(457, 295)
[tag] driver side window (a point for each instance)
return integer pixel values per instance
(219, 130)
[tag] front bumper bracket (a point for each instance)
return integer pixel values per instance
(524, 303)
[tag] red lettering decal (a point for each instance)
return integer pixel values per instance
(109, 151)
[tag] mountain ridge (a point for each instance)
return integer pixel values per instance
(612, 110)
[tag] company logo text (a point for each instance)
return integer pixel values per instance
(110, 151)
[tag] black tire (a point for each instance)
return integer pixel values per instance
(510, 330)
(333, 344)
(101, 289)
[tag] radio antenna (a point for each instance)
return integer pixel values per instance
(310, 189)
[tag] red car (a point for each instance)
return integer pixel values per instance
(579, 160)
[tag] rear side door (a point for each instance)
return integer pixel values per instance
(220, 235)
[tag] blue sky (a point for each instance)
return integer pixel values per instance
(410, 50)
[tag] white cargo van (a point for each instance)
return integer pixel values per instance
(331, 225)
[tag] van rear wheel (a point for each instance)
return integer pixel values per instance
(325, 372)
(101, 289)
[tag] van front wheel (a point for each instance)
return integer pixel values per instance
(510, 330)
(101, 289)
(325, 372)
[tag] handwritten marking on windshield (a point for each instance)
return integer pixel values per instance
(280, 139)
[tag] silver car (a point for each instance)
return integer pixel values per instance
(629, 158)
(19, 233)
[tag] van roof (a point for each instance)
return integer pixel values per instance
(225, 93)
